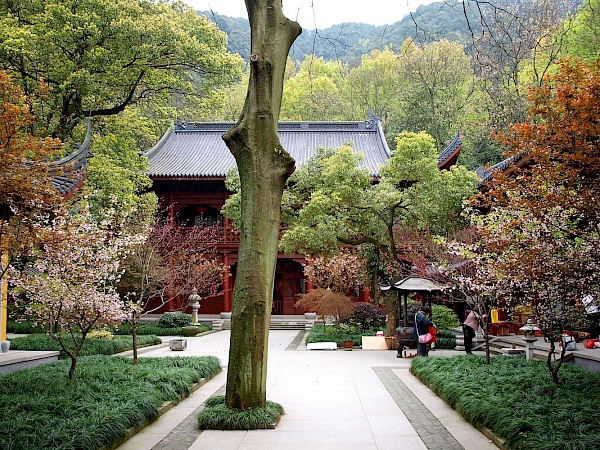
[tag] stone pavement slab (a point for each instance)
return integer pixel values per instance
(333, 400)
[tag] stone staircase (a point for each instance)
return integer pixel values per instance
(277, 323)
(498, 343)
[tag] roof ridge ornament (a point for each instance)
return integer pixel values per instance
(374, 119)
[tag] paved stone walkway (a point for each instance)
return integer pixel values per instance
(431, 431)
(360, 399)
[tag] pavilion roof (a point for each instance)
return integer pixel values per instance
(449, 156)
(413, 284)
(505, 166)
(70, 172)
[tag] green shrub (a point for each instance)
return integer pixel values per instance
(443, 317)
(217, 416)
(100, 334)
(146, 328)
(517, 400)
(42, 409)
(153, 328)
(317, 334)
(23, 328)
(366, 316)
(174, 319)
(92, 346)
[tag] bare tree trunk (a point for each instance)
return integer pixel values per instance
(134, 329)
(72, 368)
(264, 167)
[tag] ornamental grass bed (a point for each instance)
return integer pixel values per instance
(517, 400)
(42, 409)
(92, 346)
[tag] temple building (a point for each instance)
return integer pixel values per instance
(189, 165)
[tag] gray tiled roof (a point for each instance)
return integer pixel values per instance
(486, 175)
(196, 150)
(70, 172)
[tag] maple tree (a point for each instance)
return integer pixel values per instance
(170, 263)
(25, 181)
(543, 222)
(327, 303)
(69, 287)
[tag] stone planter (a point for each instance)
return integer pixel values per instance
(225, 315)
(310, 316)
(190, 331)
(5, 346)
(178, 344)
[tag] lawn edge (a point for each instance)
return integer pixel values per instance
(166, 406)
(497, 441)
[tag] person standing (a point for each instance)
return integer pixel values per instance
(470, 328)
(421, 327)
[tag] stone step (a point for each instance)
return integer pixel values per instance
(225, 324)
(14, 360)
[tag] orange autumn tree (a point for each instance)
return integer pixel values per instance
(25, 184)
(543, 223)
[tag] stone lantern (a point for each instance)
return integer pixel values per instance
(194, 300)
(529, 329)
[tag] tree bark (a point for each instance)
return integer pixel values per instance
(264, 167)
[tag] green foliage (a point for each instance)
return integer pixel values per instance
(174, 319)
(444, 318)
(153, 328)
(583, 34)
(117, 170)
(315, 92)
(341, 205)
(445, 339)
(330, 334)
(92, 346)
(517, 400)
(23, 328)
(110, 395)
(233, 205)
(367, 317)
(217, 416)
(437, 20)
(438, 75)
(100, 56)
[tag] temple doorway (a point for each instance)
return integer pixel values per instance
(289, 278)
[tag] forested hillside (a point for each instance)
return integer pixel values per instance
(349, 41)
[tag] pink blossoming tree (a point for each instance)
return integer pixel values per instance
(69, 288)
(169, 264)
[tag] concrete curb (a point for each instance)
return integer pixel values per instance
(491, 436)
(498, 442)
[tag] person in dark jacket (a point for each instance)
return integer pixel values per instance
(422, 323)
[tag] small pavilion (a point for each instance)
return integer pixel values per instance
(422, 286)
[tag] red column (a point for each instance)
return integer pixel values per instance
(365, 295)
(227, 291)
